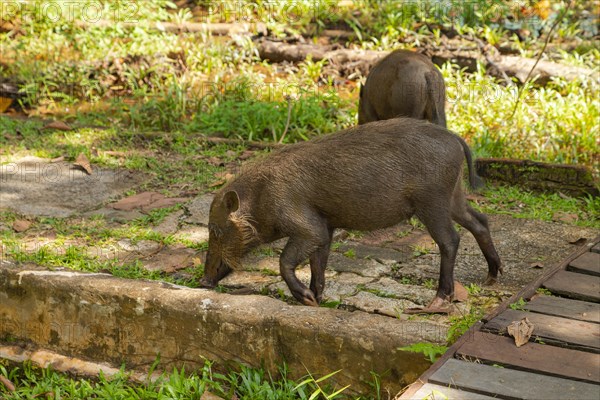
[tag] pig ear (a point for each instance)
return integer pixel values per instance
(232, 201)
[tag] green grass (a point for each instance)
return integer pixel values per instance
(195, 83)
(521, 203)
(244, 383)
(431, 351)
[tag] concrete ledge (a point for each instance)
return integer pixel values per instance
(100, 318)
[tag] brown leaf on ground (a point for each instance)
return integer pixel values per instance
(565, 217)
(120, 154)
(246, 154)
(461, 294)
(146, 201)
(209, 396)
(578, 241)
(225, 175)
(7, 384)
(536, 265)
(21, 225)
(5, 102)
(163, 203)
(216, 161)
(521, 331)
(84, 163)
(137, 201)
(217, 183)
(59, 125)
(475, 197)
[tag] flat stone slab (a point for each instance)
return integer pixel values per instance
(198, 209)
(37, 187)
(98, 317)
(146, 201)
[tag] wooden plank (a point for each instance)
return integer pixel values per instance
(529, 290)
(567, 308)
(525, 293)
(556, 330)
(423, 379)
(576, 286)
(587, 263)
(548, 360)
(437, 392)
(509, 383)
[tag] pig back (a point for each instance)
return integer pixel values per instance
(366, 177)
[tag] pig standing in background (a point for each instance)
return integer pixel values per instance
(368, 177)
(403, 84)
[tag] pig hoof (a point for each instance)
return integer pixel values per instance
(490, 281)
(437, 306)
(206, 284)
(308, 299)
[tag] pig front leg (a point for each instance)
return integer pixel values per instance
(294, 252)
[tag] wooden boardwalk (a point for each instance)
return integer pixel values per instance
(562, 358)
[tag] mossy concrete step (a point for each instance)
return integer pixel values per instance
(100, 318)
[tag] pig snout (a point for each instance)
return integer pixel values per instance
(214, 270)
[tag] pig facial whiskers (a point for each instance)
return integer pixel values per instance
(243, 222)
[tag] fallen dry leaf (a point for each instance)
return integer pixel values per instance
(7, 384)
(59, 125)
(536, 265)
(521, 331)
(246, 154)
(565, 217)
(578, 241)
(117, 153)
(21, 225)
(460, 293)
(84, 163)
(137, 201)
(225, 177)
(217, 183)
(475, 197)
(5, 102)
(216, 161)
(57, 159)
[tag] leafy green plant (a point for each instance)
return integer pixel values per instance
(320, 390)
(518, 305)
(430, 350)
(430, 283)
(350, 253)
(459, 324)
(244, 382)
(544, 291)
(473, 289)
(419, 250)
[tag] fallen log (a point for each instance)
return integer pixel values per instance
(217, 29)
(574, 180)
(346, 61)
(463, 53)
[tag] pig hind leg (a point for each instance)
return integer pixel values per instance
(438, 221)
(318, 263)
(477, 224)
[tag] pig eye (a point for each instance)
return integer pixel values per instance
(215, 230)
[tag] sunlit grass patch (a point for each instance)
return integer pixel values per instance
(557, 123)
